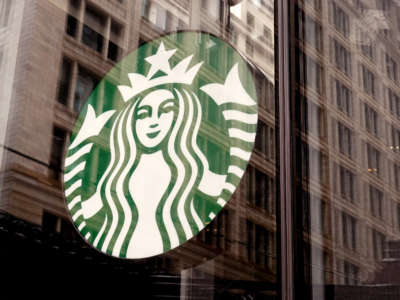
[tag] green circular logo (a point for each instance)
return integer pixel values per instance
(161, 145)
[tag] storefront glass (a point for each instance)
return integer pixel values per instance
(54, 56)
(345, 99)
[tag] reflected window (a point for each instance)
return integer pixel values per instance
(214, 152)
(72, 23)
(394, 102)
(373, 160)
(342, 57)
(214, 57)
(376, 202)
(81, 83)
(64, 81)
(343, 96)
(93, 29)
(378, 241)
(340, 19)
(309, 30)
(260, 190)
(347, 183)
(265, 140)
(311, 73)
(269, 97)
(218, 233)
(145, 8)
(250, 20)
(161, 19)
(57, 152)
(267, 34)
(249, 46)
(213, 8)
(315, 163)
(97, 23)
(265, 91)
(72, 26)
(367, 47)
(260, 243)
(396, 176)
(305, 197)
(318, 208)
(395, 146)
(391, 67)
(92, 39)
(349, 231)
(74, 5)
(368, 80)
(116, 35)
(312, 33)
(351, 273)
(345, 136)
(85, 84)
(398, 216)
(312, 119)
(113, 51)
(371, 119)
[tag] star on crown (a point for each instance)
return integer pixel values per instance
(160, 61)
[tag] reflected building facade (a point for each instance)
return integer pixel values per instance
(346, 104)
(10, 30)
(62, 49)
(345, 100)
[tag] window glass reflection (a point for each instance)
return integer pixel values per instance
(56, 52)
(346, 85)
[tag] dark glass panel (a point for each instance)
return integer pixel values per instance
(347, 179)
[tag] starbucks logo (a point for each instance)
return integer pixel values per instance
(161, 145)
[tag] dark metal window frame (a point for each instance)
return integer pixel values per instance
(284, 15)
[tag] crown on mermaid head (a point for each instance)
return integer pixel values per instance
(159, 61)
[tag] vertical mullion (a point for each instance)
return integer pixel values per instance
(285, 154)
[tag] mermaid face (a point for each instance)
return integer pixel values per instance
(154, 116)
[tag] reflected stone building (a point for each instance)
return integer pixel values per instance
(10, 29)
(57, 53)
(53, 53)
(346, 99)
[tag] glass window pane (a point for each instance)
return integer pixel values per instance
(347, 179)
(72, 64)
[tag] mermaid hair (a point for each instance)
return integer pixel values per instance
(176, 215)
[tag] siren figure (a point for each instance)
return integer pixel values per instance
(155, 169)
(156, 189)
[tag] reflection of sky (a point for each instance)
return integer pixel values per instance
(257, 34)
(236, 10)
